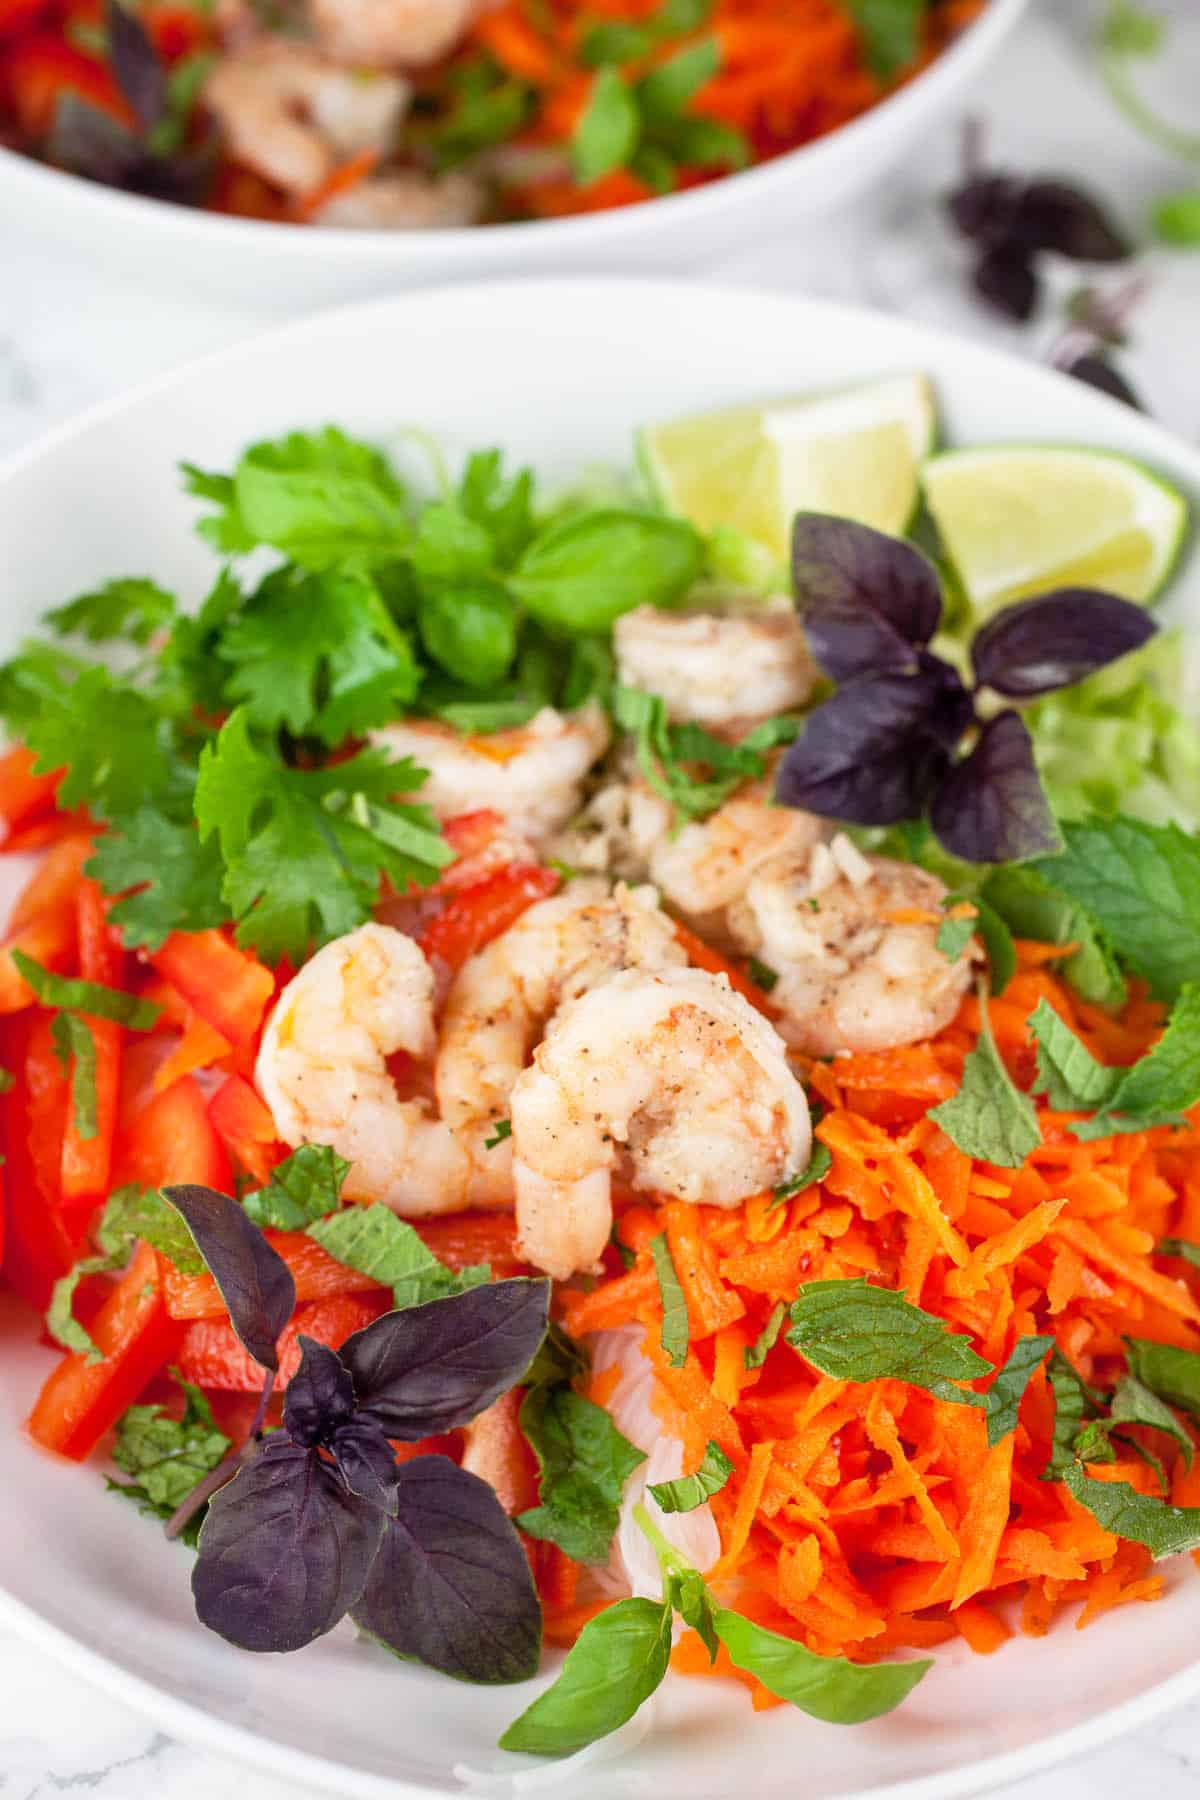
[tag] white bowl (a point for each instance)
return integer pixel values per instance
(294, 268)
(557, 373)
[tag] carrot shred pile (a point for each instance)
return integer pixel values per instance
(790, 71)
(862, 1518)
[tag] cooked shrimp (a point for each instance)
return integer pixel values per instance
(715, 668)
(502, 997)
(290, 114)
(616, 831)
(322, 1070)
(852, 939)
(709, 864)
(404, 200)
(532, 774)
(404, 34)
(680, 1072)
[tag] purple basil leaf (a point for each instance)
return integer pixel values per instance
(1051, 642)
(1005, 277)
(320, 1395)
(285, 1550)
(991, 808)
(431, 1368)
(1098, 372)
(366, 1462)
(1054, 215)
(136, 66)
(867, 601)
(255, 1282)
(866, 755)
(982, 208)
(451, 1585)
(90, 142)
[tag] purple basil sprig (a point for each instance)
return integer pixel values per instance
(318, 1520)
(901, 737)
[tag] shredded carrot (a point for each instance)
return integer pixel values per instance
(342, 180)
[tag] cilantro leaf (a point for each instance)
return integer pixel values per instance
(1164, 1529)
(856, 1332)
(223, 529)
(117, 748)
(304, 849)
(319, 654)
(755, 1354)
(1002, 1401)
(175, 878)
(1141, 884)
(130, 607)
(304, 1187)
(691, 1491)
(374, 1241)
(671, 757)
(37, 677)
(584, 1463)
(168, 1457)
(501, 504)
(86, 996)
(989, 1117)
(674, 1305)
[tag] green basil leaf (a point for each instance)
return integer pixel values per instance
(176, 877)
(1164, 1529)
(663, 93)
(582, 574)
(856, 1332)
(989, 1118)
(584, 1463)
(607, 132)
(691, 1491)
(826, 1687)
(675, 1333)
(619, 1659)
(755, 1354)
(304, 1187)
(687, 1591)
(75, 1048)
(1171, 1373)
(374, 1241)
(470, 631)
(1002, 1401)
(86, 996)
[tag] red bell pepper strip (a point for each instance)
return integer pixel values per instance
(83, 1400)
(225, 985)
(54, 883)
(244, 1125)
(168, 1138)
(24, 796)
(39, 1245)
(199, 1048)
(461, 1240)
(476, 915)
(211, 1356)
(317, 1275)
(38, 70)
(49, 938)
(87, 1161)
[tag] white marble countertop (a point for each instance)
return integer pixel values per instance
(70, 336)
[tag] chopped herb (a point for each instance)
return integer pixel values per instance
(304, 1187)
(674, 1336)
(691, 1491)
(86, 996)
(168, 1457)
(500, 1132)
(755, 1354)
(386, 1249)
(1002, 1400)
(989, 1117)
(953, 937)
(815, 1169)
(75, 1048)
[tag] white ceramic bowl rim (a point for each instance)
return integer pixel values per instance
(616, 226)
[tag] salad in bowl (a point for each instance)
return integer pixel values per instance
(611, 1065)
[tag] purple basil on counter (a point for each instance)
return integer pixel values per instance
(902, 737)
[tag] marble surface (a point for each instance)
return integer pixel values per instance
(71, 335)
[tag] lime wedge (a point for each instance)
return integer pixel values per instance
(856, 453)
(1017, 520)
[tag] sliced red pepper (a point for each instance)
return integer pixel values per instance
(18, 15)
(39, 1245)
(176, 31)
(211, 1356)
(244, 1125)
(225, 985)
(39, 69)
(167, 1138)
(54, 883)
(24, 796)
(82, 1400)
(317, 1276)
(476, 915)
(199, 1048)
(463, 1240)
(87, 1161)
(49, 938)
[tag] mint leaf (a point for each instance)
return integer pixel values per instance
(131, 607)
(989, 1118)
(693, 770)
(665, 90)
(1171, 1373)
(1068, 1074)
(755, 1354)
(1141, 884)
(1074, 1403)
(168, 1457)
(1033, 908)
(953, 936)
(304, 1187)
(691, 1491)
(129, 1213)
(374, 1241)
(815, 1169)
(581, 574)
(1002, 1401)
(584, 1463)
(617, 1662)
(607, 131)
(856, 1332)
(1134, 1403)
(305, 849)
(674, 1307)
(75, 1048)
(86, 996)
(890, 32)
(1154, 1091)
(826, 1687)
(175, 878)
(1164, 1529)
